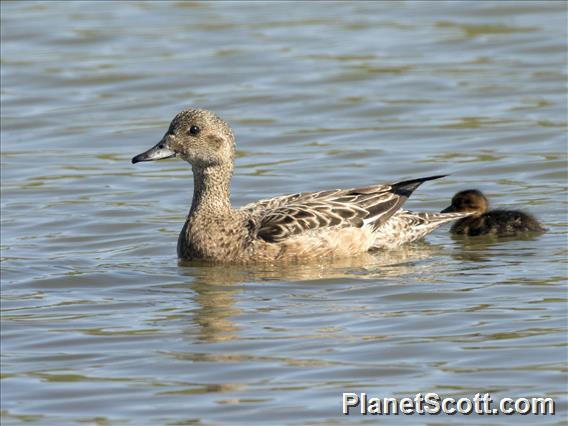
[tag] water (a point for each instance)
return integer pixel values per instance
(101, 325)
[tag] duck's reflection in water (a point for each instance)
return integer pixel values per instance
(487, 248)
(216, 287)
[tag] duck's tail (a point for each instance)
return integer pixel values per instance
(407, 187)
(389, 203)
(406, 227)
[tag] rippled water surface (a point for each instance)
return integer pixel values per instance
(101, 325)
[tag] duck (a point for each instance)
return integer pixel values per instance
(294, 227)
(482, 221)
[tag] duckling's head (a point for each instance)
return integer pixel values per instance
(470, 200)
(197, 136)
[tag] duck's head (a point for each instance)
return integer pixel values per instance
(468, 201)
(197, 136)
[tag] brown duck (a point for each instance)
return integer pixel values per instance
(500, 223)
(303, 226)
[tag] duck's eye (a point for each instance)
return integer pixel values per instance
(161, 146)
(194, 130)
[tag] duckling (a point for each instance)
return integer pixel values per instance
(500, 223)
(302, 226)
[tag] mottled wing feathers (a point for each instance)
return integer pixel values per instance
(283, 222)
(271, 203)
(279, 218)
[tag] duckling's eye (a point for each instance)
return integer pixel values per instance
(194, 130)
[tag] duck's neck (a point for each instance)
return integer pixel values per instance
(211, 193)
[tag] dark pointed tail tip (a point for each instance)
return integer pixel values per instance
(407, 187)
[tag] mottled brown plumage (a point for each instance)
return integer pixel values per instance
(340, 222)
(499, 223)
(406, 227)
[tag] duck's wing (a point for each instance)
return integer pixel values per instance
(279, 218)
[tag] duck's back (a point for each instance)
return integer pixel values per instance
(501, 223)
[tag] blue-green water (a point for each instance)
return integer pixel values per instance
(101, 325)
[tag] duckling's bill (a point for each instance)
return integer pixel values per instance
(450, 209)
(158, 152)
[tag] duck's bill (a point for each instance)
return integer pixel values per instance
(450, 209)
(157, 152)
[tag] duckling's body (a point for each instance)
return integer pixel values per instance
(336, 223)
(499, 223)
